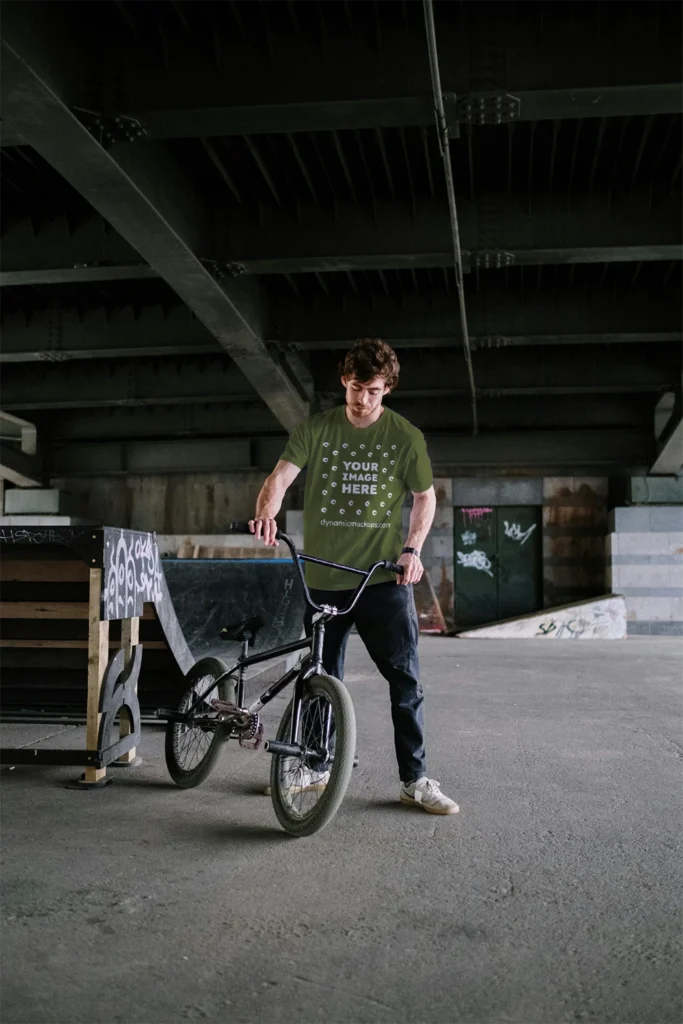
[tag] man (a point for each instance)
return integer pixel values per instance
(361, 459)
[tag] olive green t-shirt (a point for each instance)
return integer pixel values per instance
(356, 482)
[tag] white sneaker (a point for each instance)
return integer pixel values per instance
(306, 782)
(425, 793)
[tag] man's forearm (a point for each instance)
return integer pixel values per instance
(269, 501)
(421, 518)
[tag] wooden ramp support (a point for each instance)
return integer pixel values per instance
(120, 570)
(130, 637)
(98, 656)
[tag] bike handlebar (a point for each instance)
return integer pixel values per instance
(243, 528)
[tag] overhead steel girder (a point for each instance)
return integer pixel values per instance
(252, 419)
(60, 252)
(495, 317)
(59, 335)
(308, 116)
(98, 384)
(519, 371)
(495, 231)
(404, 112)
(78, 274)
(381, 86)
(495, 259)
(488, 341)
(408, 111)
(270, 118)
(526, 371)
(565, 104)
(141, 193)
(278, 118)
(353, 83)
(530, 453)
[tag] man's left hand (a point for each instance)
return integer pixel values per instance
(412, 569)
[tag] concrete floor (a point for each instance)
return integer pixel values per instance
(553, 896)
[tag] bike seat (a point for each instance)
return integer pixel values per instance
(239, 631)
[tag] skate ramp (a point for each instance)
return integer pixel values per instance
(208, 594)
(182, 606)
(600, 618)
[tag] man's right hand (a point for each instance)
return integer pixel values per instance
(266, 530)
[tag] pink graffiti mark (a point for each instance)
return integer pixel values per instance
(474, 515)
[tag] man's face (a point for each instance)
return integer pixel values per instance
(364, 397)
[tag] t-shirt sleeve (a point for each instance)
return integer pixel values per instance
(297, 450)
(418, 475)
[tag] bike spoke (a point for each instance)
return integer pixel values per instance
(192, 742)
(295, 772)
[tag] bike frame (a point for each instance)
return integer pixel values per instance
(312, 665)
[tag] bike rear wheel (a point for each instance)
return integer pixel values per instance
(191, 750)
(307, 793)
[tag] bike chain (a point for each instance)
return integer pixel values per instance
(250, 727)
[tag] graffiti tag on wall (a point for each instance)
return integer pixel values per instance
(574, 628)
(596, 624)
(475, 560)
(468, 538)
(514, 531)
(474, 516)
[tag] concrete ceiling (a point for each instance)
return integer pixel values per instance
(204, 204)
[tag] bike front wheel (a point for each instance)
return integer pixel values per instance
(307, 792)
(191, 749)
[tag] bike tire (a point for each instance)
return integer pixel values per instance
(188, 778)
(340, 772)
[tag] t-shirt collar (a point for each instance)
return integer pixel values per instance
(362, 430)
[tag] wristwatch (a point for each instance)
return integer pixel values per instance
(411, 551)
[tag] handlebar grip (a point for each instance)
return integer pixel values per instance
(238, 527)
(393, 567)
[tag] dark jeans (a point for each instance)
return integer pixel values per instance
(386, 621)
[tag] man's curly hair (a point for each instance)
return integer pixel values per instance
(371, 357)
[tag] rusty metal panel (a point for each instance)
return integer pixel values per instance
(574, 529)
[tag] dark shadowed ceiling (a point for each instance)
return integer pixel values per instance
(205, 203)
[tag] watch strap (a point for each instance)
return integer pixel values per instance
(411, 551)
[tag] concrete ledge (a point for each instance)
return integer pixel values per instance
(600, 618)
(39, 501)
(44, 521)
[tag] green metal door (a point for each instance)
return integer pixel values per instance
(497, 563)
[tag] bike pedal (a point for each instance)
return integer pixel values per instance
(224, 706)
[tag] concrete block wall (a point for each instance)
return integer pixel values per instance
(644, 552)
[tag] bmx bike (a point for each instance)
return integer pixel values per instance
(314, 749)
